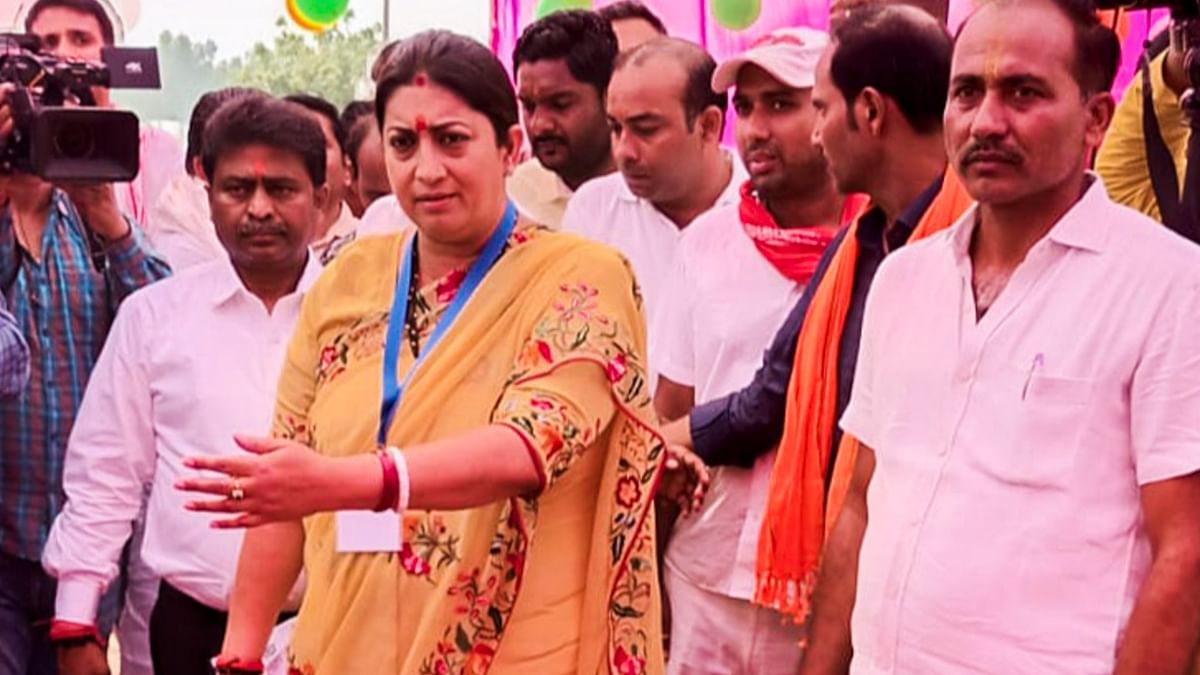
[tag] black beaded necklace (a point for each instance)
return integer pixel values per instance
(412, 330)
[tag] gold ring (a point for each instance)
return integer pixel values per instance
(237, 494)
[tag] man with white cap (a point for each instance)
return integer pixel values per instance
(739, 269)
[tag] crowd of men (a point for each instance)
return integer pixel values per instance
(948, 388)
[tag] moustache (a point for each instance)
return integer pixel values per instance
(247, 230)
(990, 152)
(549, 138)
(632, 169)
(765, 150)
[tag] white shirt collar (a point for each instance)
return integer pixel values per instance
(229, 284)
(731, 193)
(1078, 228)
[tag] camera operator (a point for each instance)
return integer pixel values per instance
(1124, 158)
(67, 258)
(80, 29)
(1144, 159)
(14, 355)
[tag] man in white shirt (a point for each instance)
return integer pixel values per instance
(1026, 500)
(667, 123)
(338, 225)
(563, 64)
(739, 270)
(183, 231)
(368, 170)
(186, 365)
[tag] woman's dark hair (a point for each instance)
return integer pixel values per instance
(581, 38)
(632, 9)
(379, 65)
(92, 7)
(902, 53)
(459, 64)
(325, 109)
(258, 119)
(204, 109)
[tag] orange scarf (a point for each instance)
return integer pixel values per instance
(793, 529)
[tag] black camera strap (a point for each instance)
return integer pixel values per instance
(95, 251)
(1163, 177)
(1180, 212)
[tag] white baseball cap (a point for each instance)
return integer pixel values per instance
(790, 55)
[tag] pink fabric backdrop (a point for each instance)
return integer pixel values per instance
(684, 18)
(690, 19)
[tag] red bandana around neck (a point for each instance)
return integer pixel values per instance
(795, 251)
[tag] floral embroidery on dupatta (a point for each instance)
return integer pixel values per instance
(553, 426)
(289, 428)
(483, 600)
(363, 339)
(429, 545)
(577, 330)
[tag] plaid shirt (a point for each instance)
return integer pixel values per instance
(14, 355)
(64, 308)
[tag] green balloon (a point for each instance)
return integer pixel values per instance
(736, 14)
(548, 7)
(322, 12)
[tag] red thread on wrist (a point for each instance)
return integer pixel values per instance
(391, 482)
(232, 665)
(68, 631)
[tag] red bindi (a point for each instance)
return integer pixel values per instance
(422, 125)
(420, 80)
(258, 170)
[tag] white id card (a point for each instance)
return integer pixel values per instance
(368, 531)
(275, 659)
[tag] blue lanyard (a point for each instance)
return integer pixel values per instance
(393, 386)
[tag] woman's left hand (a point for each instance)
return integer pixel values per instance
(278, 481)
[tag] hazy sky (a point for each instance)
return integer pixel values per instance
(235, 25)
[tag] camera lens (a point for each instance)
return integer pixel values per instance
(74, 142)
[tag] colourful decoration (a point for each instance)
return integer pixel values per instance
(694, 20)
(736, 14)
(317, 15)
(547, 7)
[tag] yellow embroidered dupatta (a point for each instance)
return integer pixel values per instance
(445, 604)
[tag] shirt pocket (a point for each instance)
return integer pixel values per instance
(1039, 424)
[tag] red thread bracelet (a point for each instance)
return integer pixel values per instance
(391, 481)
(233, 665)
(68, 631)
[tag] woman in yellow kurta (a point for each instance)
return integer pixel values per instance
(527, 545)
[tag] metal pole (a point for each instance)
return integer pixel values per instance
(387, 20)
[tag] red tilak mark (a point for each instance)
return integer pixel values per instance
(258, 170)
(422, 125)
(420, 80)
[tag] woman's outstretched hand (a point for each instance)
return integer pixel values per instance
(278, 480)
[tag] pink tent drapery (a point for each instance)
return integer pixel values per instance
(684, 18)
(691, 19)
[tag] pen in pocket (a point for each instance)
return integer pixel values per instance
(1038, 360)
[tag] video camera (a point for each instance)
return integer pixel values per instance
(77, 142)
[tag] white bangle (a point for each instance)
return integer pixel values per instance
(404, 492)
